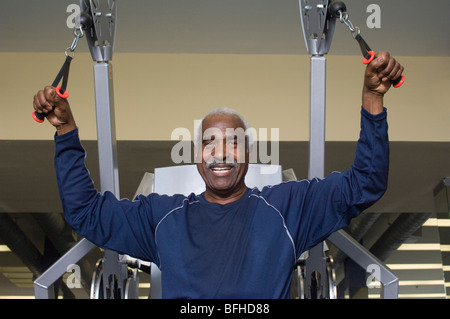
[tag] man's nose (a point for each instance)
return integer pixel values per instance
(223, 153)
(219, 151)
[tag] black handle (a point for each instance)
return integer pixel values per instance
(60, 90)
(38, 117)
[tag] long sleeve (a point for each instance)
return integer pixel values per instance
(316, 208)
(351, 192)
(366, 181)
(119, 225)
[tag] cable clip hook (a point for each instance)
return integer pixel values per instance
(79, 33)
(343, 18)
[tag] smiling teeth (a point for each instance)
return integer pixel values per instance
(221, 168)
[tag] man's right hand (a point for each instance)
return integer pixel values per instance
(55, 108)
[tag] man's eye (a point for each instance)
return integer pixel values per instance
(232, 143)
(209, 143)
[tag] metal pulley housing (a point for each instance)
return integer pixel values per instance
(102, 30)
(318, 26)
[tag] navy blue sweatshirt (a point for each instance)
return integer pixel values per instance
(244, 249)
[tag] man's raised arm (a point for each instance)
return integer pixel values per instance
(119, 225)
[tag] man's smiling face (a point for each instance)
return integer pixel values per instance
(224, 157)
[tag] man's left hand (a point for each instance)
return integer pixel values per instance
(380, 73)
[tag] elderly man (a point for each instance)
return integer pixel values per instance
(219, 244)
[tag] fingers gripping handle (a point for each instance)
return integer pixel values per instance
(369, 56)
(60, 90)
(40, 117)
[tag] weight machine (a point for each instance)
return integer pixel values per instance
(115, 276)
(315, 270)
(112, 277)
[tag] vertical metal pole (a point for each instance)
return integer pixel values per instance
(318, 29)
(316, 261)
(106, 129)
(317, 117)
(101, 38)
(113, 272)
(318, 33)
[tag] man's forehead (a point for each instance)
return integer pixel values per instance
(222, 121)
(229, 133)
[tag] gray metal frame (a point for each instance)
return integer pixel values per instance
(44, 284)
(318, 40)
(101, 46)
(318, 28)
(364, 259)
(106, 128)
(114, 271)
(317, 117)
(100, 38)
(104, 20)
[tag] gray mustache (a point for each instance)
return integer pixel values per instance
(215, 163)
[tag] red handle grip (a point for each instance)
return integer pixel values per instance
(38, 117)
(368, 57)
(64, 95)
(398, 82)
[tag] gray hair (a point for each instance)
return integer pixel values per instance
(223, 110)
